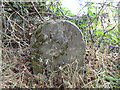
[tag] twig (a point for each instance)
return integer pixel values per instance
(18, 13)
(37, 12)
(91, 21)
(100, 41)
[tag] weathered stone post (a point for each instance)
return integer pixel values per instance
(56, 43)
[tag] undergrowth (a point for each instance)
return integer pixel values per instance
(100, 71)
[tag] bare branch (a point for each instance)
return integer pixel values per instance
(37, 11)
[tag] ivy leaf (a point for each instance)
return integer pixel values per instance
(90, 12)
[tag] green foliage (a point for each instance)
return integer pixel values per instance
(66, 11)
(96, 28)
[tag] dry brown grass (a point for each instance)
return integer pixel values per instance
(100, 71)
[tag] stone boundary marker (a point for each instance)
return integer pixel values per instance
(56, 43)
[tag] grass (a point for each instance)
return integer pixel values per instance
(100, 71)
